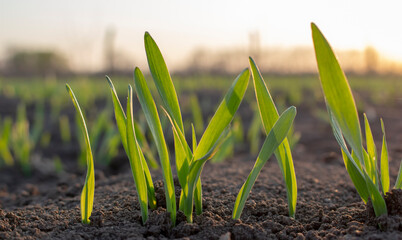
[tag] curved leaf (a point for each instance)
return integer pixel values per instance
(152, 117)
(275, 137)
(88, 192)
(269, 115)
(136, 161)
(337, 92)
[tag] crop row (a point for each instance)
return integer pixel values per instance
(371, 181)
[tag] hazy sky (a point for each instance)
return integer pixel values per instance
(77, 28)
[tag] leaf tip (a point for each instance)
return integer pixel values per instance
(293, 108)
(251, 61)
(312, 24)
(109, 81)
(148, 37)
(382, 126)
(315, 30)
(137, 70)
(130, 89)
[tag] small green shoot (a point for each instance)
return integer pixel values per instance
(189, 162)
(21, 143)
(152, 117)
(87, 195)
(360, 163)
(274, 139)
(269, 115)
(135, 159)
(5, 153)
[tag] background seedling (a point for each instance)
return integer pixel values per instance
(88, 192)
(5, 141)
(21, 143)
(64, 126)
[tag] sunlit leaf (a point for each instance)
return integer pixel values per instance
(136, 162)
(275, 137)
(384, 162)
(153, 120)
(87, 195)
(337, 92)
(269, 115)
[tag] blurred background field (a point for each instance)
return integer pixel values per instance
(43, 134)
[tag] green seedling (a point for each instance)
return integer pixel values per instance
(269, 115)
(38, 125)
(280, 146)
(5, 153)
(21, 138)
(87, 195)
(139, 167)
(360, 163)
(274, 139)
(189, 163)
(58, 164)
(21, 143)
(137, 161)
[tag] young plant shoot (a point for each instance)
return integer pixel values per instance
(87, 195)
(274, 139)
(137, 160)
(360, 163)
(269, 115)
(139, 166)
(189, 163)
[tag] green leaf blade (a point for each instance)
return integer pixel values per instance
(371, 151)
(398, 183)
(121, 121)
(162, 79)
(119, 114)
(88, 192)
(384, 162)
(352, 164)
(338, 94)
(272, 141)
(269, 115)
(136, 161)
(153, 120)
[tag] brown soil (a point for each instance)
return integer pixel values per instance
(46, 205)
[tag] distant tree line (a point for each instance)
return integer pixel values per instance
(27, 63)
